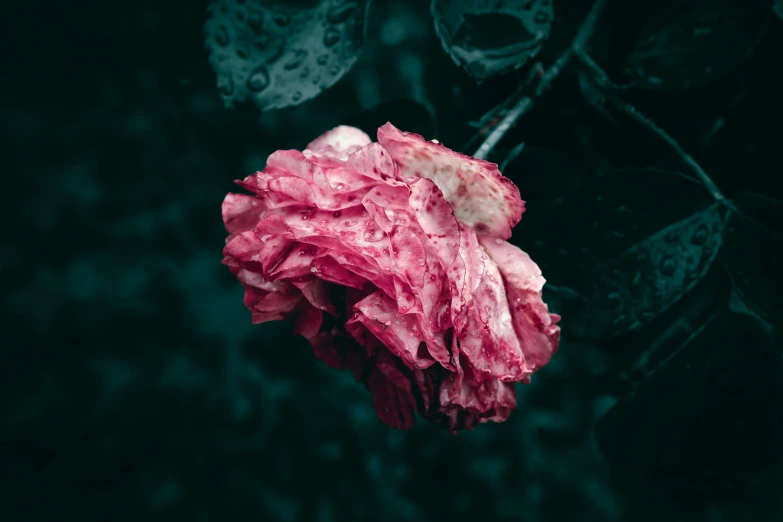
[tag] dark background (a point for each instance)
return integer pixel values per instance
(135, 388)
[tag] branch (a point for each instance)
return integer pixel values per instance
(526, 102)
(602, 80)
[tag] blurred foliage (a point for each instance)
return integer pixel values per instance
(134, 385)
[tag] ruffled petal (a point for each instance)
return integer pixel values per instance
(482, 197)
(535, 327)
(241, 213)
(338, 143)
(395, 243)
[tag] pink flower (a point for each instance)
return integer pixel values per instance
(391, 260)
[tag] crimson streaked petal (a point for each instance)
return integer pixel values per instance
(482, 197)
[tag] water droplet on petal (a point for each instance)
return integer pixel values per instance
(296, 96)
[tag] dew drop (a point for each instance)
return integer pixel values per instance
(541, 18)
(296, 60)
(282, 20)
(225, 85)
(667, 266)
(221, 37)
(258, 80)
(340, 13)
(331, 37)
(337, 214)
(613, 301)
(699, 236)
(296, 96)
(671, 237)
(262, 41)
(255, 21)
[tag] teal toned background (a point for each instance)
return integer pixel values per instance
(134, 386)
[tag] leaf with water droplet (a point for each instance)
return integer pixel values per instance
(491, 37)
(278, 53)
(754, 242)
(630, 243)
(718, 388)
(694, 42)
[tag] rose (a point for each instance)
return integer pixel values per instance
(391, 259)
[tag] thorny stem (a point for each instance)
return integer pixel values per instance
(610, 90)
(526, 102)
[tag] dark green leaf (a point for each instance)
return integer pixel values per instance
(694, 42)
(281, 53)
(708, 415)
(641, 353)
(754, 242)
(488, 37)
(626, 246)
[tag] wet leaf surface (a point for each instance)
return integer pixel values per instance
(704, 419)
(488, 37)
(753, 254)
(281, 53)
(625, 246)
(692, 43)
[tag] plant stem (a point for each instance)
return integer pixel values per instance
(526, 102)
(610, 90)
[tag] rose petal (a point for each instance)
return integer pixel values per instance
(535, 327)
(339, 142)
(482, 197)
(241, 213)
